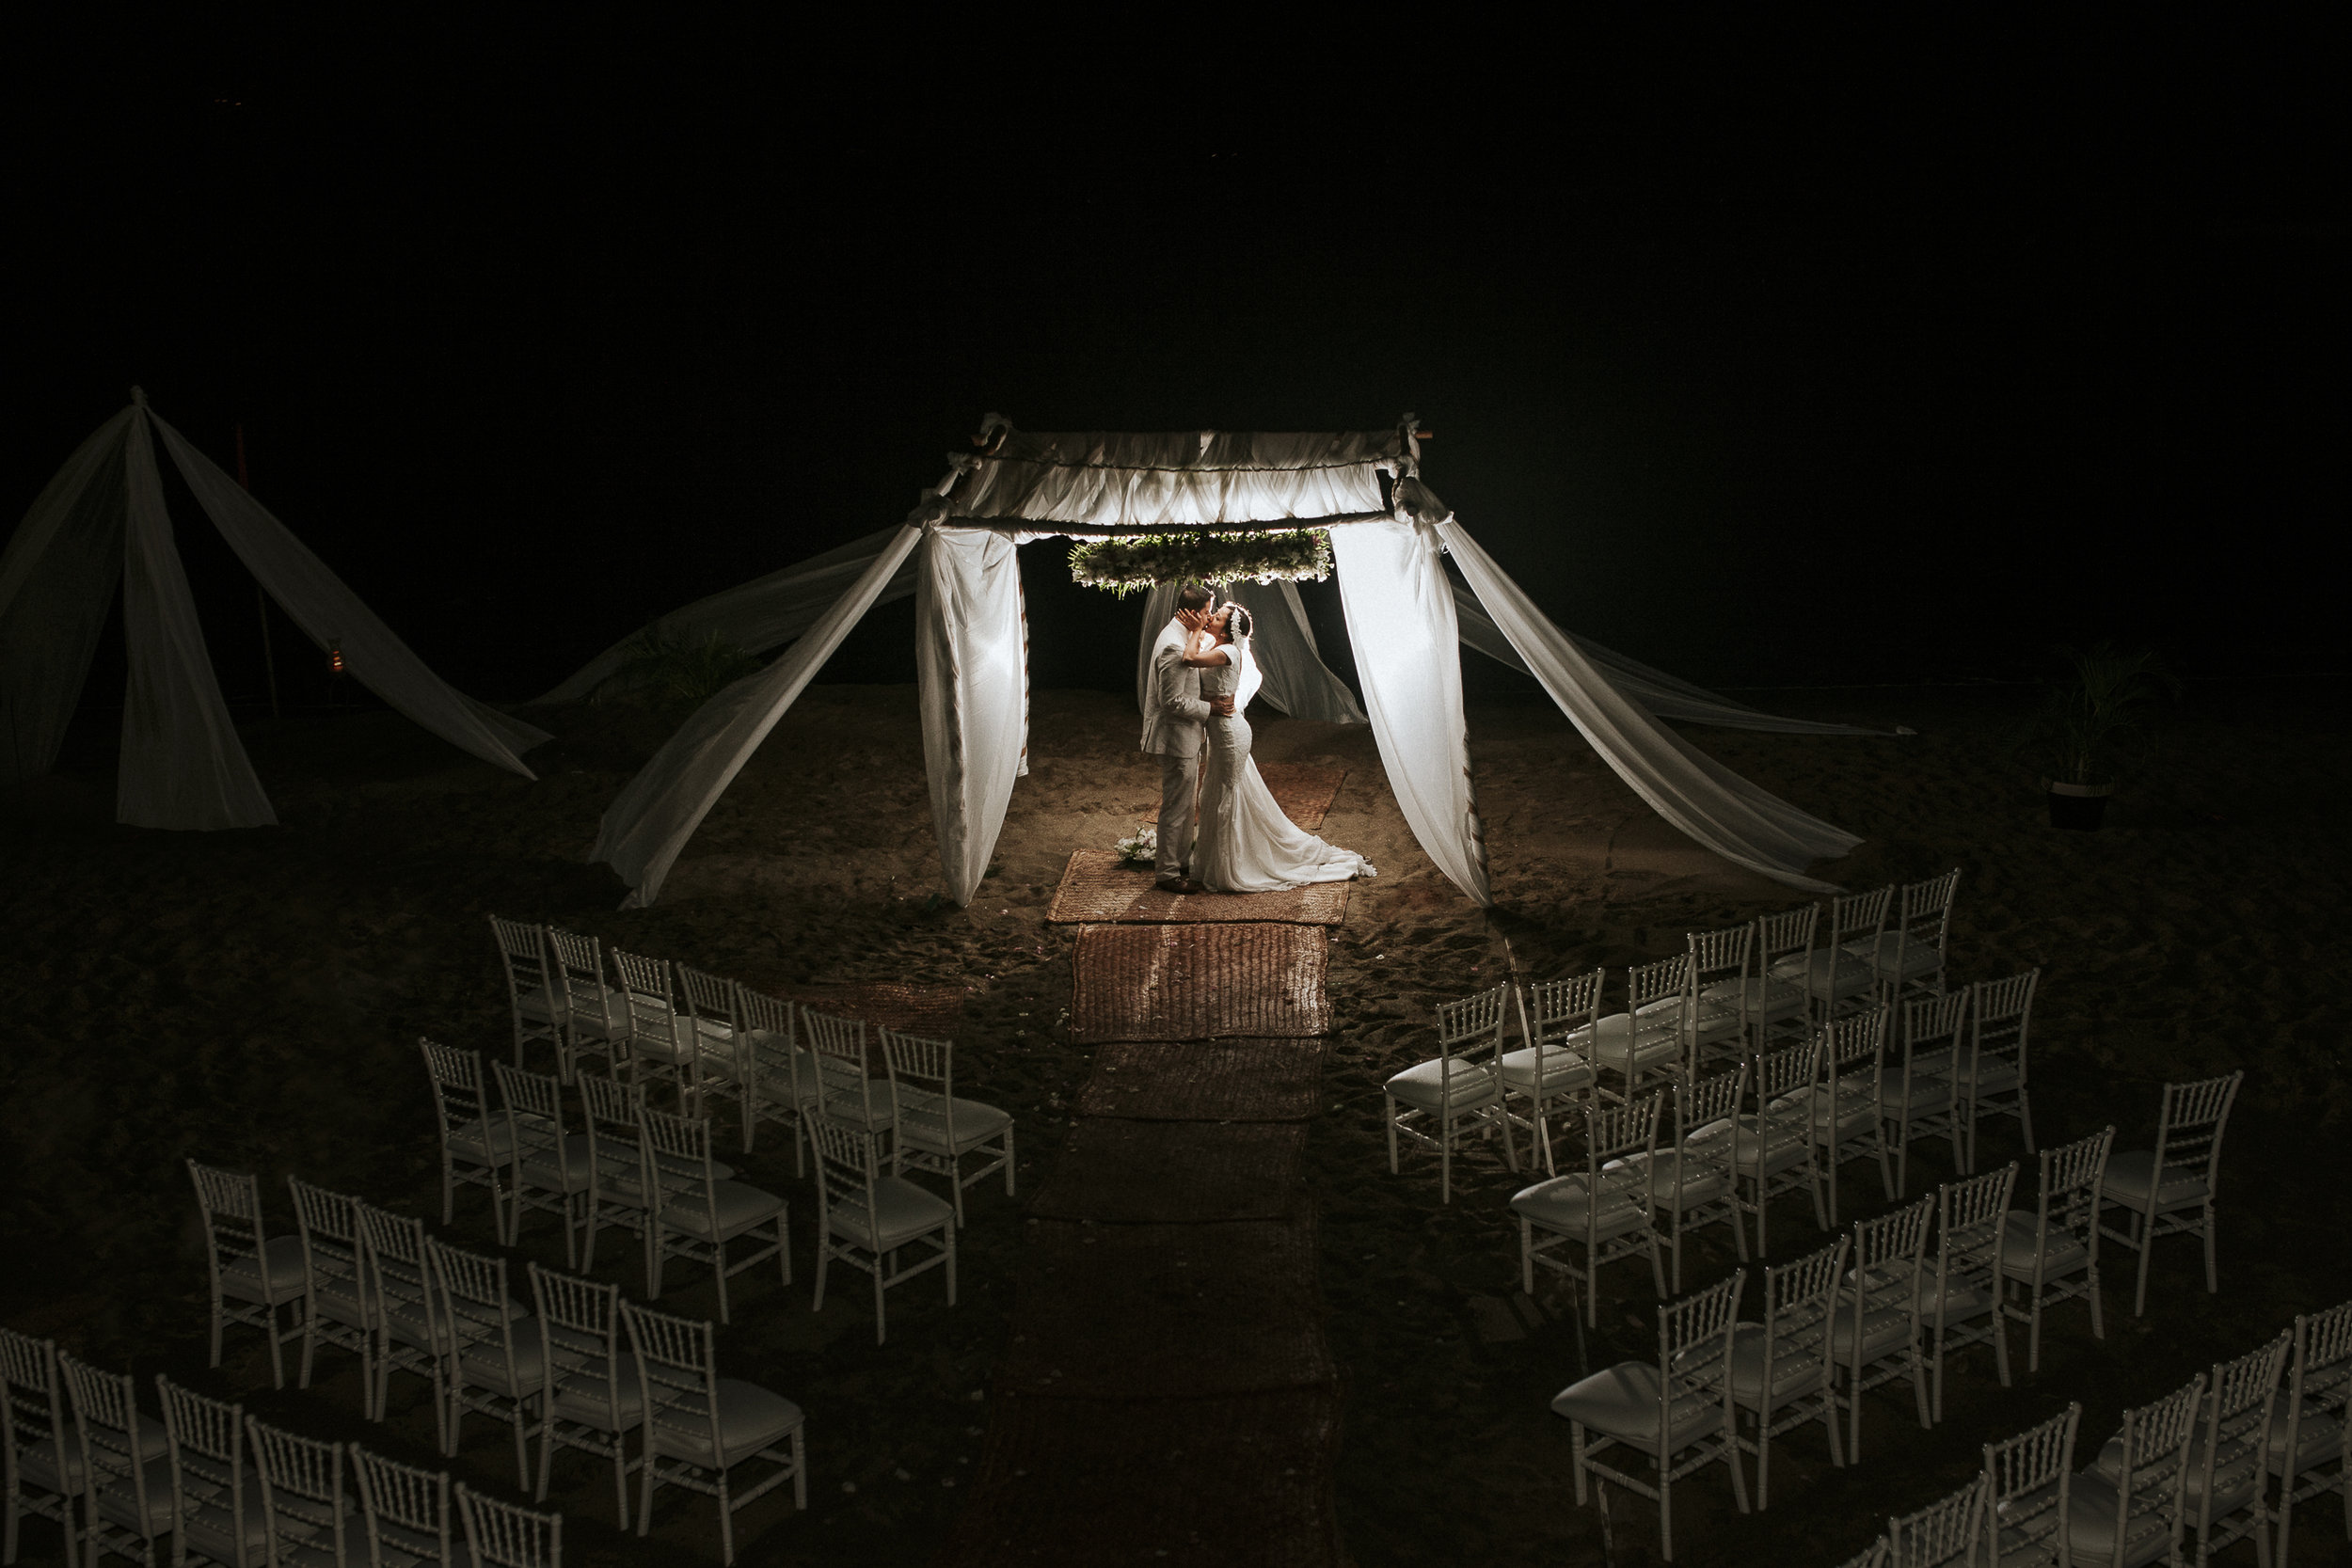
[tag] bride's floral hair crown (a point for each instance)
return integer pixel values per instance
(1236, 622)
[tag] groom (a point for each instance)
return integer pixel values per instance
(1173, 726)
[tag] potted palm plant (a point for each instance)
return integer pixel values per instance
(2098, 724)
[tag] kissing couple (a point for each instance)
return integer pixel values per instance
(1203, 678)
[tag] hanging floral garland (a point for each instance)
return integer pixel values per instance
(1132, 562)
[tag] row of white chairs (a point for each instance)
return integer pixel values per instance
(2229, 1457)
(717, 1041)
(653, 1174)
(223, 1487)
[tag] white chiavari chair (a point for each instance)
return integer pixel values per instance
(501, 1535)
(1875, 1335)
(866, 1217)
(251, 1274)
(338, 1301)
(1960, 1298)
(2052, 1255)
(937, 1131)
(1841, 975)
(777, 1065)
(1846, 1099)
(2128, 1509)
(1781, 1368)
(1678, 1411)
(2028, 1482)
(2310, 1451)
(1774, 1001)
(715, 1071)
(43, 1471)
(1990, 1079)
(304, 1508)
(1714, 1014)
(553, 1168)
(699, 1426)
(2226, 1495)
(533, 996)
(696, 1214)
(1908, 960)
(1458, 1089)
(1776, 1153)
(596, 1012)
(1604, 1207)
(495, 1356)
(1695, 1181)
(2169, 1190)
(1940, 1535)
(215, 1493)
(1643, 1045)
(125, 1461)
(1916, 1099)
(406, 1514)
(594, 1401)
(844, 1088)
(660, 1038)
(475, 1145)
(411, 1335)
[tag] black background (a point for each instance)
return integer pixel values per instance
(1765, 356)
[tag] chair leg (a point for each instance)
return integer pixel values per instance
(1527, 1256)
(2213, 1275)
(2147, 1249)
(878, 1297)
(1008, 1160)
(719, 1267)
(1391, 1136)
(1576, 1440)
(2024, 1114)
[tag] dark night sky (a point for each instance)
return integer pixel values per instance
(1754, 359)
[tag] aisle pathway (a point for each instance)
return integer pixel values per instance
(1167, 1397)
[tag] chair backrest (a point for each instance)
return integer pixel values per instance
(232, 1205)
(580, 968)
(1551, 1009)
(1615, 1132)
(678, 1159)
(839, 1047)
(1710, 1101)
(302, 1492)
(1970, 1216)
(1888, 1254)
(460, 1096)
(613, 1113)
(580, 1325)
(2233, 1426)
(1784, 936)
(406, 1510)
(2069, 1195)
(535, 1114)
(2028, 1480)
(1648, 983)
(918, 1063)
(1999, 1015)
(328, 1224)
(1791, 1069)
(1923, 917)
(1471, 1022)
(2152, 1468)
(1941, 1533)
(650, 994)
(1721, 955)
(1695, 1345)
(1853, 1051)
(35, 1396)
(770, 1030)
(523, 954)
(847, 1163)
(1800, 1304)
(677, 1363)
(206, 1440)
(2189, 1128)
(105, 1411)
(1937, 1023)
(502, 1535)
(1858, 918)
(473, 1302)
(396, 1268)
(710, 1003)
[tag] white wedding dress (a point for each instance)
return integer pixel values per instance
(1246, 844)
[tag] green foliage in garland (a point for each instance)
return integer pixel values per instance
(1131, 563)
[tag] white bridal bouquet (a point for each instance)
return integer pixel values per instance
(1138, 848)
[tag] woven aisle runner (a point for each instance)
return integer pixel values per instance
(1167, 1397)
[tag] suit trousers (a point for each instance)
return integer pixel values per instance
(1180, 799)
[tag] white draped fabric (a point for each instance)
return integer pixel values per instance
(764, 614)
(651, 819)
(183, 765)
(1399, 623)
(973, 651)
(101, 519)
(1714, 806)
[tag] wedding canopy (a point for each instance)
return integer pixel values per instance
(1405, 618)
(101, 520)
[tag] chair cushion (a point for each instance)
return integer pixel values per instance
(1562, 1069)
(1831, 975)
(903, 1211)
(581, 1396)
(1623, 1402)
(1562, 1203)
(1704, 1172)
(1961, 1299)
(750, 1418)
(1793, 1376)
(2318, 1440)
(2127, 1177)
(2063, 1254)
(119, 1503)
(923, 1122)
(1919, 960)
(212, 1527)
(1424, 1084)
(2235, 1478)
(1772, 1145)
(483, 1143)
(537, 1004)
(1767, 999)
(739, 1208)
(282, 1255)
(37, 1461)
(1927, 1094)
(563, 1171)
(1884, 1330)
(485, 1368)
(2091, 1526)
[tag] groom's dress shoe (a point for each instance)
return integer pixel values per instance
(1176, 884)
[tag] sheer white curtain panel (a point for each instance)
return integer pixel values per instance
(973, 656)
(57, 579)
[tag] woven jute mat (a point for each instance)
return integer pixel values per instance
(1184, 1482)
(933, 1011)
(1199, 982)
(1097, 886)
(1169, 1172)
(1155, 1311)
(1205, 1080)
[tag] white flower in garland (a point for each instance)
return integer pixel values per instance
(1130, 564)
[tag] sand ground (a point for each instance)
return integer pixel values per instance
(253, 1000)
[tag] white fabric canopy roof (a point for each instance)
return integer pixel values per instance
(1405, 619)
(103, 519)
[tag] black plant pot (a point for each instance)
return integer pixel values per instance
(2081, 807)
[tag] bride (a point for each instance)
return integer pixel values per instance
(1247, 845)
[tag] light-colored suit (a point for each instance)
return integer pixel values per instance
(1174, 726)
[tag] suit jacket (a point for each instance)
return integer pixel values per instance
(1173, 724)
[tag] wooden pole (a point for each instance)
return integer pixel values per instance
(261, 599)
